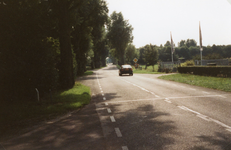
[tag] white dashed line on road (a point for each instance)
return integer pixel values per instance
(112, 119)
(106, 104)
(167, 100)
(109, 110)
(102, 94)
(222, 96)
(205, 92)
(118, 133)
(104, 98)
(124, 148)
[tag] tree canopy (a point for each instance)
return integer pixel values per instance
(119, 35)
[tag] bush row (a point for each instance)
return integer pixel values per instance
(207, 71)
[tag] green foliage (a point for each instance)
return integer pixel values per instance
(18, 115)
(119, 34)
(44, 44)
(207, 71)
(208, 82)
(131, 53)
(150, 55)
(188, 63)
(148, 70)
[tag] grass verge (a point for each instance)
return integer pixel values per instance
(17, 116)
(223, 84)
(149, 70)
(88, 73)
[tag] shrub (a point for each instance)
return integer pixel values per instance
(207, 71)
(188, 63)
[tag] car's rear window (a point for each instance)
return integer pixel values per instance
(126, 66)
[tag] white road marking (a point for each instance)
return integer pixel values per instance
(127, 101)
(222, 96)
(101, 91)
(206, 118)
(157, 96)
(167, 100)
(118, 133)
(143, 89)
(109, 110)
(203, 117)
(124, 148)
(112, 119)
(220, 123)
(104, 98)
(193, 96)
(205, 92)
(102, 94)
(228, 130)
(106, 104)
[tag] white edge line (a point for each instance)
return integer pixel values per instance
(222, 96)
(228, 130)
(193, 96)
(203, 117)
(106, 104)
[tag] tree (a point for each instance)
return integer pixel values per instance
(167, 44)
(150, 55)
(98, 21)
(190, 42)
(65, 12)
(119, 34)
(181, 43)
(131, 53)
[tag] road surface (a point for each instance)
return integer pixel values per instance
(141, 112)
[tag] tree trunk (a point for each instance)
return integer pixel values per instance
(66, 67)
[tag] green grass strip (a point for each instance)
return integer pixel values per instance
(223, 84)
(24, 114)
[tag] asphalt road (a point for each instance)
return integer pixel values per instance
(144, 112)
(139, 112)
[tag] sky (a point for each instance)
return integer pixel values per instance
(153, 20)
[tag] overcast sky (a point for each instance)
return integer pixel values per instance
(153, 20)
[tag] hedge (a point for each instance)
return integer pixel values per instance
(207, 71)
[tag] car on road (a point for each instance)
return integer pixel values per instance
(125, 69)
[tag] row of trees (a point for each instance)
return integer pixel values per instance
(44, 44)
(188, 50)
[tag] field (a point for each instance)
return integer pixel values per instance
(223, 84)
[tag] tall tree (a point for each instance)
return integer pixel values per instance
(65, 11)
(98, 21)
(190, 42)
(150, 55)
(119, 34)
(131, 53)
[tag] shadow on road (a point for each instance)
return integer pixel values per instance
(221, 141)
(81, 130)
